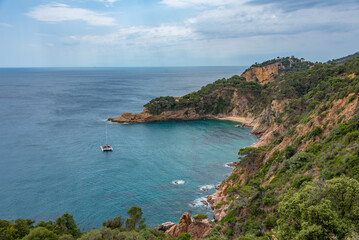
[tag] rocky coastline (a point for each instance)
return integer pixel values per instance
(217, 201)
(262, 124)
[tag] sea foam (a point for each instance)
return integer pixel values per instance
(206, 187)
(228, 165)
(178, 182)
(199, 202)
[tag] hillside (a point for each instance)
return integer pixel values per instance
(300, 181)
(342, 60)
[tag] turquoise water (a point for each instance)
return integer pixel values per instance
(52, 126)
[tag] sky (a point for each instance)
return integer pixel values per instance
(127, 33)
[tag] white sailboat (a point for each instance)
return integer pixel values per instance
(106, 147)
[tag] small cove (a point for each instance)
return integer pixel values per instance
(55, 118)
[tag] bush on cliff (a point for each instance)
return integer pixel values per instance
(321, 210)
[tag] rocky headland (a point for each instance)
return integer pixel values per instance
(291, 113)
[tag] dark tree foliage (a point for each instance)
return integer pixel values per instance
(135, 220)
(15, 229)
(66, 224)
(213, 98)
(117, 222)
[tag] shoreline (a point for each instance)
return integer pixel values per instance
(248, 122)
(220, 194)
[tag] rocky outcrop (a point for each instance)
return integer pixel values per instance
(197, 228)
(262, 75)
(165, 226)
(218, 201)
(146, 116)
(181, 227)
(200, 228)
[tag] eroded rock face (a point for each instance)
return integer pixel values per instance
(200, 229)
(197, 228)
(181, 227)
(218, 201)
(262, 75)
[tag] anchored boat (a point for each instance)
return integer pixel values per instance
(106, 147)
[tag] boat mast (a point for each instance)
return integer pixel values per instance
(106, 133)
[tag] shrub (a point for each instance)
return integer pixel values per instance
(278, 140)
(67, 225)
(41, 233)
(296, 162)
(117, 222)
(184, 236)
(351, 98)
(289, 151)
(135, 220)
(314, 132)
(270, 223)
(320, 210)
(200, 217)
(300, 179)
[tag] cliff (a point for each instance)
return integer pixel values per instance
(268, 71)
(262, 75)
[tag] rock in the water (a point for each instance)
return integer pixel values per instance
(165, 226)
(204, 202)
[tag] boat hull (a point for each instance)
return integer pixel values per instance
(106, 148)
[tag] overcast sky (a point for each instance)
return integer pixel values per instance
(75, 33)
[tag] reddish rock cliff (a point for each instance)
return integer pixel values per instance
(262, 75)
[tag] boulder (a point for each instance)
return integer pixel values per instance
(204, 202)
(165, 226)
(197, 228)
(181, 227)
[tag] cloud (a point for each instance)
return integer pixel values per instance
(295, 5)
(194, 3)
(240, 19)
(5, 24)
(108, 3)
(61, 12)
(164, 35)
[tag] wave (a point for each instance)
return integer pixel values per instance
(178, 182)
(199, 202)
(228, 165)
(207, 187)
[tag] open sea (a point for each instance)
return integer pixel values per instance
(52, 123)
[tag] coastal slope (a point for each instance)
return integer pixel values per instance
(307, 117)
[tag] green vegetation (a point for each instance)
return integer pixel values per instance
(311, 193)
(200, 217)
(343, 59)
(211, 99)
(64, 228)
(287, 64)
(320, 210)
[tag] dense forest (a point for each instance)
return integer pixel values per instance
(302, 184)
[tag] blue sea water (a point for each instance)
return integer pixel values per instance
(52, 124)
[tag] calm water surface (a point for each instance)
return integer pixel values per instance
(52, 125)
